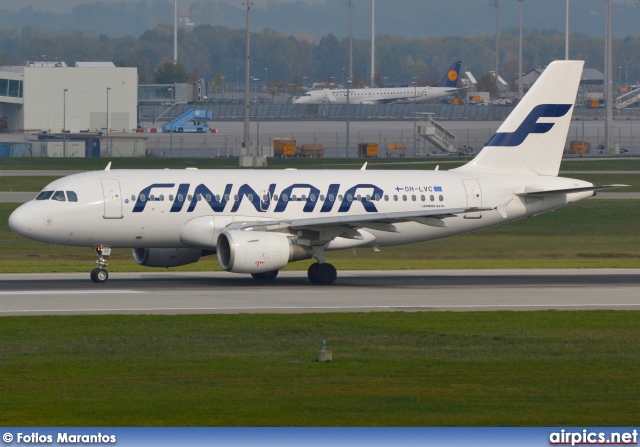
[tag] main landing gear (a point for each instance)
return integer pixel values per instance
(322, 273)
(100, 274)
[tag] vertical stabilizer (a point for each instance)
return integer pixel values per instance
(531, 140)
(450, 79)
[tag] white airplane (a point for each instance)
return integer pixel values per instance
(257, 221)
(403, 95)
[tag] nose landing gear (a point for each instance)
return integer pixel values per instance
(100, 274)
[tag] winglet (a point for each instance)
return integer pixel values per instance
(364, 166)
(108, 168)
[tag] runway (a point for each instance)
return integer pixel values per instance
(291, 292)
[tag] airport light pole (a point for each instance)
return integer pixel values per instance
(348, 113)
(173, 103)
(619, 69)
(237, 77)
(520, 88)
(64, 122)
(566, 33)
(108, 146)
(415, 113)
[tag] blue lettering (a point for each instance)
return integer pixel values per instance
(181, 198)
(368, 205)
(217, 206)
(309, 205)
(140, 204)
(330, 200)
(255, 199)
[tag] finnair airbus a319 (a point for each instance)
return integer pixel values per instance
(257, 221)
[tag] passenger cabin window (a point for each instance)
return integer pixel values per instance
(44, 195)
(59, 196)
(72, 196)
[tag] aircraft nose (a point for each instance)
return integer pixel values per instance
(21, 220)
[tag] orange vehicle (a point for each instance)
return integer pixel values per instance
(284, 148)
(368, 150)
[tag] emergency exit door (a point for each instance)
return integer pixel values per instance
(474, 198)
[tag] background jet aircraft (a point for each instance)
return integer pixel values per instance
(446, 87)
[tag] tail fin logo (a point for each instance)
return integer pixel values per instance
(453, 75)
(530, 125)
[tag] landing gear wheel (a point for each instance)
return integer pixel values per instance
(322, 273)
(312, 273)
(326, 274)
(99, 275)
(265, 276)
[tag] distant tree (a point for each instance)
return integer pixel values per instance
(168, 73)
(488, 84)
(218, 84)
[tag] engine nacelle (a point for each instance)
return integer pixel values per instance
(166, 257)
(257, 251)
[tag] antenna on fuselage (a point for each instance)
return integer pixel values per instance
(108, 168)
(364, 166)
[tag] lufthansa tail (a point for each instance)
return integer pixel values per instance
(531, 140)
(451, 78)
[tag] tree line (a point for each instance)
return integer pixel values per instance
(217, 54)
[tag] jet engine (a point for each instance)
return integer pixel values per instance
(166, 257)
(257, 251)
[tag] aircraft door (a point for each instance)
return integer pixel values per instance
(264, 204)
(474, 197)
(112, 199)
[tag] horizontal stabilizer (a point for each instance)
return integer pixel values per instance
(567, 191)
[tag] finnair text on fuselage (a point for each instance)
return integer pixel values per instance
(364, 193)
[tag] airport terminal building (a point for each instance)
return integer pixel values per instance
(52, 96)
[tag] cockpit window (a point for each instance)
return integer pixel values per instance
(72, 196)
(59, 196)
(44, 195)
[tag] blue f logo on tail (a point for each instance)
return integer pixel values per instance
(530, 125)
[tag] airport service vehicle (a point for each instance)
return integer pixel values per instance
(257, 221)
(402, 95)
(199, 118)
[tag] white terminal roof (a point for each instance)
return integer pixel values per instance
(94, 64)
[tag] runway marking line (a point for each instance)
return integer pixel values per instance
(68, 292)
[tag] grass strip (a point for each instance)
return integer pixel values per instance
(547, 368)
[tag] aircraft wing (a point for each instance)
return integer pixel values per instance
(375, 221)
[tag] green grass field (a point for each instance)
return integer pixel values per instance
(390, 369)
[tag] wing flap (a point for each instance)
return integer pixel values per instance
(377, 221)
